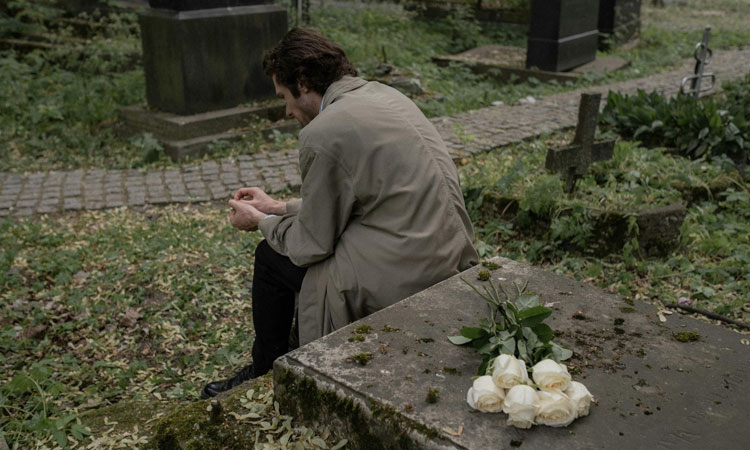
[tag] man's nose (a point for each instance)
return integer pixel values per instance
(288, 112)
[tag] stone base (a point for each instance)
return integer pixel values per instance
(510, 61)
(652, 389)
(189, 136)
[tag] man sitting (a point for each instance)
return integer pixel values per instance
(381, 214)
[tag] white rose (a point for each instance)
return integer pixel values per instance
(550, 376)
(507, 371)
(485, 396)
(580, 396)
(555, 409)
(520, 404)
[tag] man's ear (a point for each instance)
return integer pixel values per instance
(302, 85)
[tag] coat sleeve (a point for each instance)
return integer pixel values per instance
(310, 235)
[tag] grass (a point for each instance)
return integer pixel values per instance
(102, 306)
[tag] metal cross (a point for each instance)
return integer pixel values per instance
(702, 55)
(574, 161)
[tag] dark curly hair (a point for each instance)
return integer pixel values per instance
(305, 56)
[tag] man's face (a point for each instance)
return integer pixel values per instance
(305, 107)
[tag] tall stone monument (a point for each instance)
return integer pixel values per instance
(563, 34)
(205, 55)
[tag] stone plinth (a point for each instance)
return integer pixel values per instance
(208, 59)
(186, 136)
(562, 34)
(653, 390)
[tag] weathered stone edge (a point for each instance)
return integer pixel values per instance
(367, 423)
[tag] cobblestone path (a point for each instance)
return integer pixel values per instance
(488, 128)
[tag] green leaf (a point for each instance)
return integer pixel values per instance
(65, 420)
(60, 437)
(508, 346)
(527, 301)
(560, 353)
(79, 431)
(340, 444)
(487, 348)
(533, 316)
(459, 340)
(544, 332)
(473, 333)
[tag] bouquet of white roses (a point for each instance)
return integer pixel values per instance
(514, 337)
(557, 402)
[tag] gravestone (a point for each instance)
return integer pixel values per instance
(619, 22)
(575, 160)
(202, 60)
(653, 390)
(205, 55)
(562, 34)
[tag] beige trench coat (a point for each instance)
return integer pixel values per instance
(381, 215)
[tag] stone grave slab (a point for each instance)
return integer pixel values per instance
(509, 61)
(653, 390)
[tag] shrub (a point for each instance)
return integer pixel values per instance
(706, 128)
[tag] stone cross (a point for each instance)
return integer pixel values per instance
(575, 160)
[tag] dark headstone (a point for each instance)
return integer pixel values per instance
(190, 5)
(576, 159)
(563, 34)
(619, 22)
(208, 59)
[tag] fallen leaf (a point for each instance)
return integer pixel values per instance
(130, 317)
(458, 432)
(33, 332)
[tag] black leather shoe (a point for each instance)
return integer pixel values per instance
(213, 388)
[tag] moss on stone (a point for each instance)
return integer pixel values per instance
(627, 309)
(357, 338)
(127, 414)
(389, 329)
(189, 427)
(379, 426)
(686, 336)
(363, 329)
(433, 395)
(452, 371)
(483, 275)
(491, 265)
(360, 358)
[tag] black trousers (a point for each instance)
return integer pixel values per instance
(275, 282)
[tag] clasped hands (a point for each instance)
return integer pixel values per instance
(250, 205)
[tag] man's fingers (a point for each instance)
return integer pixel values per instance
(251, 192)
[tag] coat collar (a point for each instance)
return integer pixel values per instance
(337, 88)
